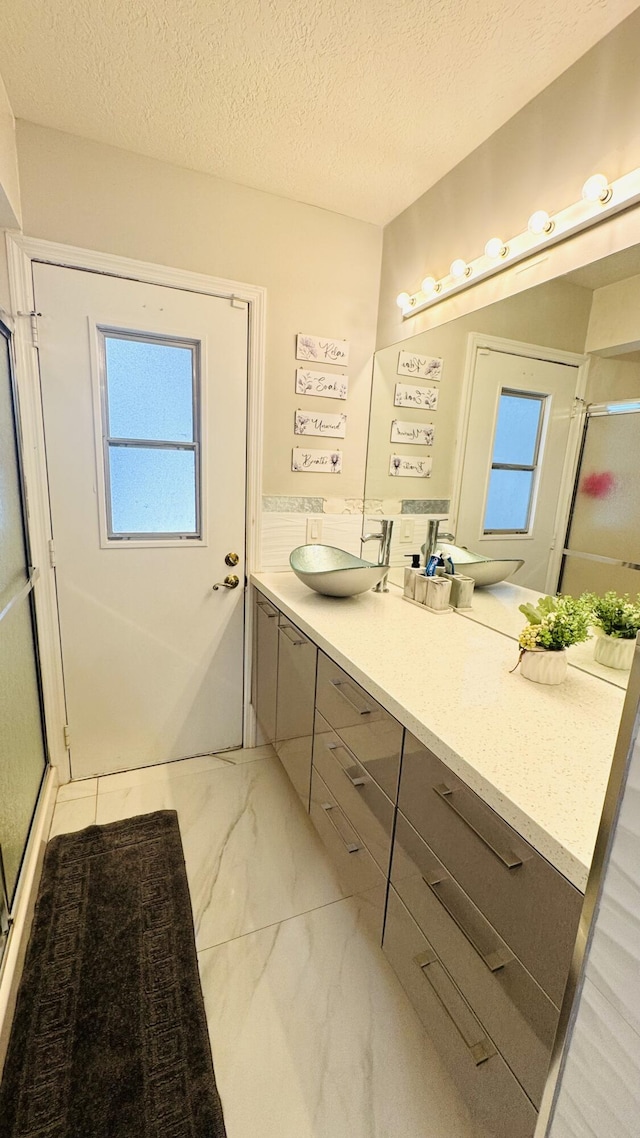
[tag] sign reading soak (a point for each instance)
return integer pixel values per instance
(320, 423)
(322, 383)
(404, 466)
(421, 367)
(322, 349)
(408, 395)
(316, 461)
(420, 433)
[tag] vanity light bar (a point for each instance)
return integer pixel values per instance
(600, 200)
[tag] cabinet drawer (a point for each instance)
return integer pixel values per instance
(532, 906)
(368, 809)
(265, 665)
(484, 1080)
(518, 1015)
(357, 871)
(297, 657)
(372, 735)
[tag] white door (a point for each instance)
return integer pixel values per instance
(144, 399)
(514, 461)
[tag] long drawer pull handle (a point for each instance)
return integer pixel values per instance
(481, 1048)
(351, 847)
(295, 640)
(361, 780)
(270, 613)
(495, 959)
(508, 859)
(339, 685)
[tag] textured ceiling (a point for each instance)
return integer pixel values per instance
(355, 105)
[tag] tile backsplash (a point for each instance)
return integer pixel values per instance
(285, 525)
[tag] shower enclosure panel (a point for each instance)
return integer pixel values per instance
(602, 549)
(22, 741)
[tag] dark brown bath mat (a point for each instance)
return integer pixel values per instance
(109, 1038)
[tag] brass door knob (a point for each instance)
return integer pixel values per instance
(230, 582)
(231, 559)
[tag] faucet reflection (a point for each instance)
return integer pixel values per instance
(384, 550)
(433, 537)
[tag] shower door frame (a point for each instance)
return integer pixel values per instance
(26, 594)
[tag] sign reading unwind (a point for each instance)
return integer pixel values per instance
(321, 423)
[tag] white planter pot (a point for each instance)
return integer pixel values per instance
(614, 652)
(544, 667)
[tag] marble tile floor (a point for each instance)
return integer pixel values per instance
(311, 1033)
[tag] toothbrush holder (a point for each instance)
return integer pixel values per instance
(437, 592)
(461, 590)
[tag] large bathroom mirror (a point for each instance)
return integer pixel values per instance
(518, 426)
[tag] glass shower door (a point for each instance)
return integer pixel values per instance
(603, 544)
(22, 742)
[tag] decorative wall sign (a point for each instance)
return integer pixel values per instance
(322, 349)
(321, 383)
(320, 423)
(403, 466)
(316, 461)
(407, 395)
(421, 367)
(422, 434)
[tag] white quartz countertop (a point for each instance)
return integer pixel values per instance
(540, 756)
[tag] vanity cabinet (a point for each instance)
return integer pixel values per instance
(264, 679)
(532, 906)
(356, 763)
(484, 1079)
(296, 684)
(477, 925)
(479, 929)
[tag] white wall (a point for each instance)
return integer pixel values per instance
(614, 325)
(9, 184)
(321, 269)
(10, 214)
(586, 121)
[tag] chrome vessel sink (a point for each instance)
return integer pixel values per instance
(334, 572)
(484, 570)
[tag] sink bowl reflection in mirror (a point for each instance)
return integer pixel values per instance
(334, 572)
(484, 570)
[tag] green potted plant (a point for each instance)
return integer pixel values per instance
(554, 623)
(616, 621)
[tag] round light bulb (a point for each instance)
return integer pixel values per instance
(539, 223)
(429, 285)
(403, 300)
(459, 269)
(596, 189)
(496, 247)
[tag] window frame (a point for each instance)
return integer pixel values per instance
(533, 467)
(119, 540)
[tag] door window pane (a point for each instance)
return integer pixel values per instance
(508, 500)
(517, 430)
(516, 454)
(152, 490)
(149, 389)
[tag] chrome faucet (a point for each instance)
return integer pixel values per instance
(433, 537)
(384, 550)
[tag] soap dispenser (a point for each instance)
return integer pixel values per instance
(410, 573)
